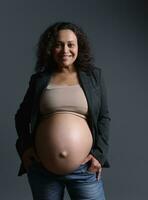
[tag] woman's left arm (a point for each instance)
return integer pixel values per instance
(103, 123)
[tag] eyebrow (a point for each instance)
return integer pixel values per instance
(67, 41)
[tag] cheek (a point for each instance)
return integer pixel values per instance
(55, 53)
(75, 52)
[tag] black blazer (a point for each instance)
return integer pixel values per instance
(92, 83)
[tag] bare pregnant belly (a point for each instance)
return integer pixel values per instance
(62, 142)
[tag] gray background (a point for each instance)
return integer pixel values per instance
(117, 32)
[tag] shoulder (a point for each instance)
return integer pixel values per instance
(96, 73)
(35, 76)
(97, 70)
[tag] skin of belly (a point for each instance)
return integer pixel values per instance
(62, 142)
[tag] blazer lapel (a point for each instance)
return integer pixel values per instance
(91, 91)
(41, 83)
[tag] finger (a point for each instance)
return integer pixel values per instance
(95, 163)
(98, 174)
(35, 157)
(94, 167)
(28, 164)
(100, 169)
(87, 159)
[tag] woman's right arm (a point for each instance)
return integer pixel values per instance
(22, 119)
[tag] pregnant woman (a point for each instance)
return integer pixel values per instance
(63, 121)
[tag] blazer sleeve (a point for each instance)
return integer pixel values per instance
(103, 124)
(22, 119)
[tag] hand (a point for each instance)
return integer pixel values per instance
(95, 165)
(28, 157)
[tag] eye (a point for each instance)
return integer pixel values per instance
(57, 45)
(71, 45)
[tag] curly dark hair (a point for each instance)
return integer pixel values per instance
(45, 60)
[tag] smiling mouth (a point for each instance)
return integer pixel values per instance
(65, 57)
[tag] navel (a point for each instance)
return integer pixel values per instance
(63, 154)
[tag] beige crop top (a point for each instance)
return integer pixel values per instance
(63, 98)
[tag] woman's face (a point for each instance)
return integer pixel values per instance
(65, 50)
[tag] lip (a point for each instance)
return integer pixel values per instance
(66, 56)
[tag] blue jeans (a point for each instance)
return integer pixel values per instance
(81, 184)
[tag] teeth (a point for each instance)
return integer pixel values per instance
(65, 56)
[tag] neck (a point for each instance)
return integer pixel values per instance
(66, 69)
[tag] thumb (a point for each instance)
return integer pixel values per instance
(87, 159)
(34, 155)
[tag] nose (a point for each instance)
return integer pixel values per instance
(65, 48)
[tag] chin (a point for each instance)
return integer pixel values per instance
(66, 64)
